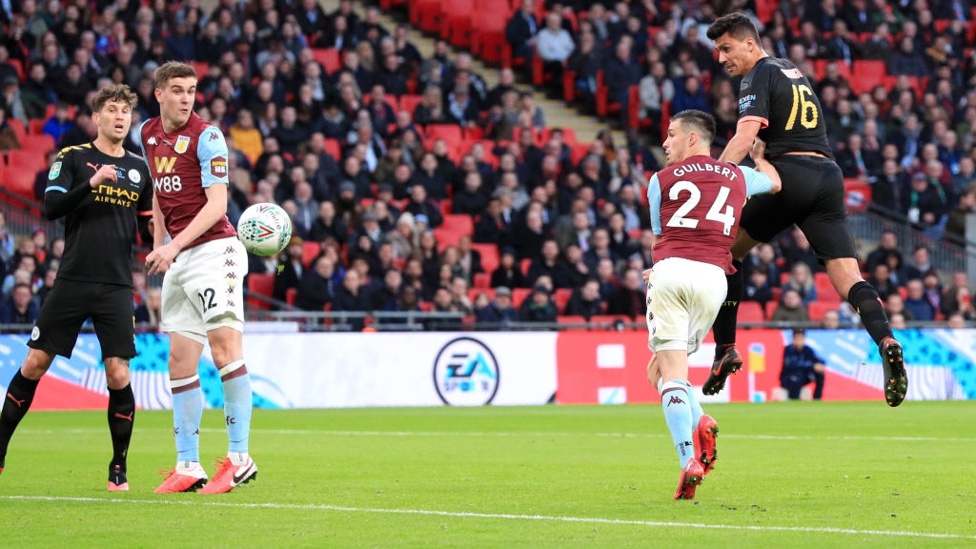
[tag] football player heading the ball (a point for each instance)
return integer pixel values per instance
(778, 105)
(204, 265)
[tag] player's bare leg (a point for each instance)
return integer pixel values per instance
(845, 274)
(727, 358)
(237, 468)
(20, 394)
(121, 415)
(184, 358)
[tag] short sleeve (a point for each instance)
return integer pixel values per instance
(654, 203)
(212, 153)
(756, 181)
(754, 97)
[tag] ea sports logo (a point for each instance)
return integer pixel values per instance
(466, 373)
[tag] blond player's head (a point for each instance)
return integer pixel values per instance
(112, 111)
(690, 133)
(176, 88)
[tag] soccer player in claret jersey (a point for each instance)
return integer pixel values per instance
(695, 204)
(778, 105)
(205, 266)
(103, 192)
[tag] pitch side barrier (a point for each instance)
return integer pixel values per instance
(295, 369)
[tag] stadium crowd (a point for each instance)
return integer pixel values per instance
(414, 185)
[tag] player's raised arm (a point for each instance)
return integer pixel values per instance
(741, 143)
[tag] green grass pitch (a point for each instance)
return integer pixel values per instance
(788, 475)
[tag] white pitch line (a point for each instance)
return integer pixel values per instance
(501, 516)
(507, 434)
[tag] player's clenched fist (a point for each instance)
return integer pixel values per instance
(105, 173)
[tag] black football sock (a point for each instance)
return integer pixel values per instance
(724, 327)
(20, 394)
(866, 301)
(121, 412)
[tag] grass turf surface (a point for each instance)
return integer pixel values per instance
(788, 475)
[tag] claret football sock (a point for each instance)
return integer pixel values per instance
(677, 414)
(238, 400)
(20, 394)
(187, 415)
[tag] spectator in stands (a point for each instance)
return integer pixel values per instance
(586, 301)
(8, 138)
(880, 279)
(387, 297)
(508, 273)
(801, 281)
(757, 287)
(521, 31)
(629, 299)
(148, 312)
(957, 298)
(689, 94)
(59, 124)
(352, 296)
(530, 236)
(318, 285)
(891, 186)
(459, 295)
(501, 309)
(924, 204)
(471, 199)
(538, 307)
(6, 242)
(856, 163)
(791, 308)
(554, 45)
(907, 59)
(19, 308)
(917, 303)
(801, 365)
(894, 304)
(621, 72)
(831, 320)
(887, 244)
(599, 248)
(290, 269)
(420, 205)
(469, 259)
(800, 250)
(549, 265)
(956, 222)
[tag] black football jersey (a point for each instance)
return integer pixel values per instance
(777, 94)
(100, 228)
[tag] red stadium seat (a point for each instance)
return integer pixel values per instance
(328, 58)
(572, 319)
(489, 256)
(857, 194)
(310, 250)
(481, 280)
(19, 182)
(43, 143)
(30, 161)
(866, 74)
(519, 295)
(409, 102)
(818, 309)
(290, 295)
(825, 288)
(18, 127)
(333, 147)
(202, 68)
(561, 298)
(751, 311)
(35, 126)
(261, 284)
(448, 132)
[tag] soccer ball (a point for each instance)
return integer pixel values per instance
(264, 229)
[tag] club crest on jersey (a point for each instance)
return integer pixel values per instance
(134, 176)
(182, 144)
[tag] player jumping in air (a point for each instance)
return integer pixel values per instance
(205, 266)
(778, 105)
(102, 191)
(695, 205)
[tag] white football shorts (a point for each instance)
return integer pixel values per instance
(683, 299)
(204, 289)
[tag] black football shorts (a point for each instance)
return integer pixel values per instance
(70, 303)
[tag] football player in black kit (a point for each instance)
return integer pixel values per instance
(104, 193)
(777, 104)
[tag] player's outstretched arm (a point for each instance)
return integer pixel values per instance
(742, 142)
